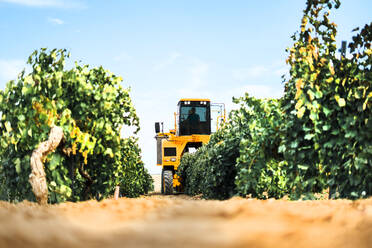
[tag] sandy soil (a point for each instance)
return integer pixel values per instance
(182, 221)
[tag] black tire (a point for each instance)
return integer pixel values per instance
(168, 182)
(162, 181)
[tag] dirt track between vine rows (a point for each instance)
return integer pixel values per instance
(182, 221)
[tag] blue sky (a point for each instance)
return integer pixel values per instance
(167, 50)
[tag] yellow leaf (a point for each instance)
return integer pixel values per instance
(341, 101)
(356, 95)
(301, 112)
(329, 80)
(299, 103)
(343, 82)
(298, 94)
(331, 69)
(85, 155)
(304, 20)
(299, 84)
(8, 127)
(74, 148)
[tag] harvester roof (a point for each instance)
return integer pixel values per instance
(195, 99)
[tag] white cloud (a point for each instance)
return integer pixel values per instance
(122, 56)
(46, 3)
(281, 71)
(9, 69)
(170, 60)
(192, 93)
(244, 74)
(260, 72)
(56, 21)
(258, 91)
(198, 72)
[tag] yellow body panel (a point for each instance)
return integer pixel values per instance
(179, 142)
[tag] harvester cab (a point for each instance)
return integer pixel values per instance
(193, 126)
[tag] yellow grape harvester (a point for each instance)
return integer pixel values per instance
(195, 120)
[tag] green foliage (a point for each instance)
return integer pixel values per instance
(135, 179)
(211, 170)
(328, 108)
(242, 157)
(318, 136)
(261, 171)
(91, 106)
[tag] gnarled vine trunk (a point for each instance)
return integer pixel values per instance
(37, 177)
(88, 182)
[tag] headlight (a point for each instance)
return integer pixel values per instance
(173, 159)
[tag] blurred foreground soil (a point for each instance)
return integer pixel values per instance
(182, 221)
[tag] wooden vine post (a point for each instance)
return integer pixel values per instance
(37, 177)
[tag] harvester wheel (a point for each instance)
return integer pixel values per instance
(168, 182)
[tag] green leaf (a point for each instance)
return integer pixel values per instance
(303, 167)
(311, 94)
(109, 152)
(318, 94)
(309, 136)
(294, 144)
(29, 132)
(17, 163)
(21, 118)
(327, 111)
(335, 132)
(326, 127)
(282, 148)
(313, 116)
(55, 161)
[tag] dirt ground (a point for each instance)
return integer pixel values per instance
(182, 221)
